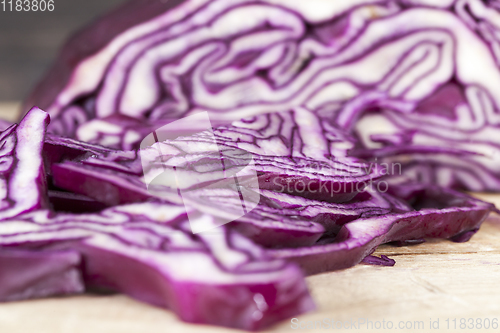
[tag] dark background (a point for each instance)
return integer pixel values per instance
(29, 41)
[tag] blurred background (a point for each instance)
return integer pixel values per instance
(29, 41)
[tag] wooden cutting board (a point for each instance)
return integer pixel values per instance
(436, 280)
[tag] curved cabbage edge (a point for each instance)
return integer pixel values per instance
(458, 219)
(283, 220)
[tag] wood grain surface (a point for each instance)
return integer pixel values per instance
(436, 280)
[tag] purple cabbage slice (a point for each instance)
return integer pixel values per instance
(148, 252)
(278, 144)
(145, 256)
(441, 213)
(265, 225)
(305, 158)
(284, 220)
(276, 220)
(256, 294)
(283, 54)
(436, 143)
(22, 176)
(295, 152)
(368, 202)
(28, 274)
(270, 224)
(272, 60)
(101, 184)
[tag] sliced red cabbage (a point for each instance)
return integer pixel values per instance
(284, 220)
(148, 252)
(294, 152)
(278, 55)
(439, 142)
(22, 176)
(101, 184)
(440, 213)
(268, 226)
